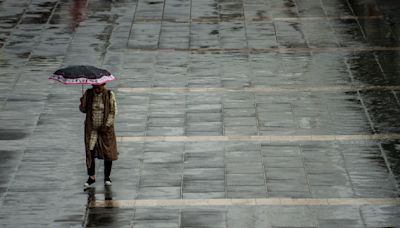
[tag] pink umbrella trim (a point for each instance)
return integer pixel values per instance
(82, 81)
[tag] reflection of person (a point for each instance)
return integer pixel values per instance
(78, 13)
(100, 107)
(372, 8)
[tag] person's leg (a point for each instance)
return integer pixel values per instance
(91, 172)
(107, 168)
(92, 169)
(107, 172)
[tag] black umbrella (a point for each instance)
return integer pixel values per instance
(83, 75)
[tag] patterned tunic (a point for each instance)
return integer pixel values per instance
(98, 112)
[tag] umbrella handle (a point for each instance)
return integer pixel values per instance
(82, 89)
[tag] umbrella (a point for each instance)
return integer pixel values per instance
(82, 75)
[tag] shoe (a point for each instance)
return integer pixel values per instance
(89, 183)
(107, 181)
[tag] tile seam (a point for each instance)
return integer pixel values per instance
(259, 19)
(243, 202)
(264, 50)
(258, 138)
(280, 89)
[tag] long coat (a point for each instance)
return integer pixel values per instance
(106, 145)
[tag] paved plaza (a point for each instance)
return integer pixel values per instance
(231, 113)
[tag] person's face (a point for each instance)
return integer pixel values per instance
(98, 88)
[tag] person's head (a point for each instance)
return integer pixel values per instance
(99, 88)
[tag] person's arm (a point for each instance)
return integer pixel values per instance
(113, 110)
(82, 105)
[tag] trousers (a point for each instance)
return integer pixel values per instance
(92, 169)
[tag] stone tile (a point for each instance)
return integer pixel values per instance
(165, 122)
(285, 173)
(204, 117)
(240, 121)
(301, 217)
(280, 150)
(203, 218)
(374, 192)
(170, 131)
(155, 224)
(203, 195)
(287, 185)
(242, 157)
(245, 179)
(332, 192)
(381, 215)
(244, 168)
(161, 180)
(203, 160)
(195, 186)
(240, 130)
(103, 217)
(239, 112)
(246, 191)
(204, 174)
(241, 147)
(328, 180)
(162, 157)
(333, 216)
(283, 162)
(159, 193)
(156, 218)
(204, 108)
(162, 168)
(205, 127)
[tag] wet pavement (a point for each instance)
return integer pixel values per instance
(233, 113)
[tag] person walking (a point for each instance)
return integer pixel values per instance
(100, 107)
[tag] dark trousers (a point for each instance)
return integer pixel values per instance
(92, 169)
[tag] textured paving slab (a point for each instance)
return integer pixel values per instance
(248, 216)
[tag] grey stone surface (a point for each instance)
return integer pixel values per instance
(305, 50)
